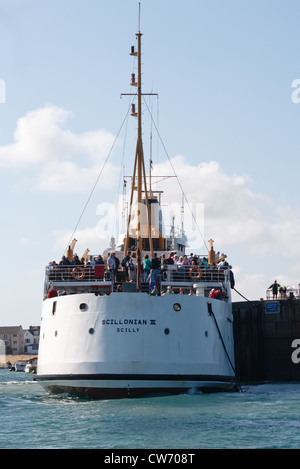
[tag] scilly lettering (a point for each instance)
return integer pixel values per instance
(128, 329)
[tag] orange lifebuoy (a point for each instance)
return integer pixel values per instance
(78, 269)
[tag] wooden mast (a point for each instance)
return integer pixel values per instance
(139, 172)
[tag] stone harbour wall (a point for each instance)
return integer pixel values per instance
(267, 340)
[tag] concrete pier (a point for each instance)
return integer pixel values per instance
(266, 345)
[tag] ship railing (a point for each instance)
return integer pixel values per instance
(168, 273)
(77, 273)
(187, 273)
(73, 276)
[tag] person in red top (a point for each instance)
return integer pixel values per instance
(215, 294)
(52, 293)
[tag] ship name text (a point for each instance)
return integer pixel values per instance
(128, 322)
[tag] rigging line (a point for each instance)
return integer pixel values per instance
(185, 197)
(97, 180)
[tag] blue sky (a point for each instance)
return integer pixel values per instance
(224, 71)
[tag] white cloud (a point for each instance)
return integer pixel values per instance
(87, 238)
(62, 161)
(233, 213)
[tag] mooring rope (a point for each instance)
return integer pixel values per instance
(241, 295)
(211, 313)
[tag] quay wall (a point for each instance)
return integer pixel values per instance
(267, 340)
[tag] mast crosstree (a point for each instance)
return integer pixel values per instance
(139, 172)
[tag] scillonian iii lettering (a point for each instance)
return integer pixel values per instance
(128, 322)
(124, 322)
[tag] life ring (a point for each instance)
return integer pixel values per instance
(78, 269)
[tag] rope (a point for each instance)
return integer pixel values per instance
(241, 295)
(211, 313)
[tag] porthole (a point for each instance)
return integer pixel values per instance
(91, 330)
(55, 333)
(177, 307)
(206, 333)
(167, 331)
(83, 307)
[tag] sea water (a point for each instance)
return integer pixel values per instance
(262, 416)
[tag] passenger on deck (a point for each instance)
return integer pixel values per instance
(76, 260)
(169, 260)
(155, 291)
(146, 267)
(169, 290)
(52, 293)
(99, 260)
(185, 261)
(153, 279)
(117, 262)
(124, 264)
(92, 261)
(131, 271)
(215, 293)
(181, 291)
(194, 270)
(112, 264)
(64, 261)
(191, 292)
(155, 262)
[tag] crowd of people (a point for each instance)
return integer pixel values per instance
(151, 270)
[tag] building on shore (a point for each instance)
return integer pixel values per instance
(18, 340)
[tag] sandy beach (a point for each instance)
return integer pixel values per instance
(14, 358)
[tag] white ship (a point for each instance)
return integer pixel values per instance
(108, 337)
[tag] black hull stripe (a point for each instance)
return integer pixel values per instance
(135, 377)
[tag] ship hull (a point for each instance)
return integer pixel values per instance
(132, 344)
(100, 387)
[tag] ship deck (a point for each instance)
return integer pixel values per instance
(98, 279)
